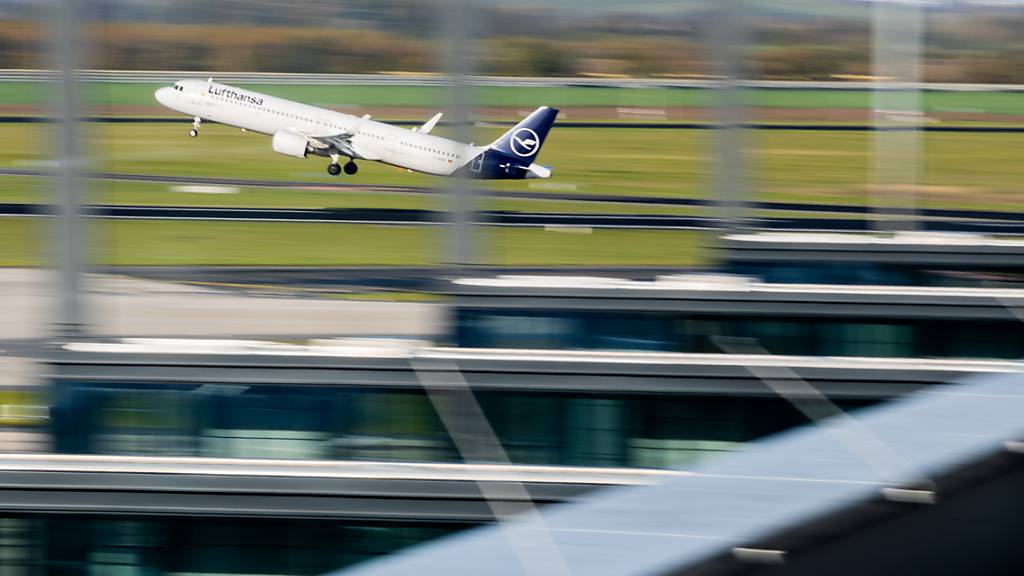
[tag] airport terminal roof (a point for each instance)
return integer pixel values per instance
(940, 239)
(727, 283)
(395, 363)
(942, 251)
(156, 349)
(735, 295)
(816, 487)
(224, 487)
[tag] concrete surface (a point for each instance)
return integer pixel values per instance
(122, 306)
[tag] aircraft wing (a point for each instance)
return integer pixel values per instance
(342, 142)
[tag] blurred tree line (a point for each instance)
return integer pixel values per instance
(366, 36)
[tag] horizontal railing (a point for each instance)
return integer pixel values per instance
(147, 76)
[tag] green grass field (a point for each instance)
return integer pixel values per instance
(171, 243)
(960, 170)
(385, 96)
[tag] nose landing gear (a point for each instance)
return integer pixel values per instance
(195, 127)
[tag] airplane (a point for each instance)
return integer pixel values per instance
(300, 130)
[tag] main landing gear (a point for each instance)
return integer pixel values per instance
(195, 127)
(334, 168)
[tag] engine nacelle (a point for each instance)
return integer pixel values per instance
(290, 144)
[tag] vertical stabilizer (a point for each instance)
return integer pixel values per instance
(524, 141)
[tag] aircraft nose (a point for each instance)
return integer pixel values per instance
(163, 95)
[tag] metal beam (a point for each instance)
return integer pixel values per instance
(462, 247)
(728, 42)
(897, 31)
(70, 247)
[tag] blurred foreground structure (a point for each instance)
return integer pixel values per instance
(792, 410)
(928, 483)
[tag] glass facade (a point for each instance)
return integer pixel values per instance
(909, 273)
(688, 332)
(339, 423)
(69, 545)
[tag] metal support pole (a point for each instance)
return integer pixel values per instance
(728, 42)
(462, 246)
(897, 32)
(70, 247)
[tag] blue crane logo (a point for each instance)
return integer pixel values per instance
(524, 142)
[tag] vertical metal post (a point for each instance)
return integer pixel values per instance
(728, 42)
(897, 31)
(462, 241)
(70, 248)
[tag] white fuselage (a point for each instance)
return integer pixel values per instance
(370, 140)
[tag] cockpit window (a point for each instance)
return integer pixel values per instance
(178, 87)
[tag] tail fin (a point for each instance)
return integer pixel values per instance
(524, 141)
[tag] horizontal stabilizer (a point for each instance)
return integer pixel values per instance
(538, 171)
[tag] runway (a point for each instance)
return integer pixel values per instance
(127, 303)
(934, 213)
(406, 217)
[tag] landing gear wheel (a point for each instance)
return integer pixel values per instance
(193, 132)
(351, 168)
(333, 169)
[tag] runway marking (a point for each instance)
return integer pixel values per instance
(202, 189)
(546, 196)
(258, 286)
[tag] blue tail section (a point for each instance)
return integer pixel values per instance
(524, 141)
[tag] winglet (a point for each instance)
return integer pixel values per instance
(359, 124)
(429, 125)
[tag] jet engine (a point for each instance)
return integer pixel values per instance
(290, 144)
